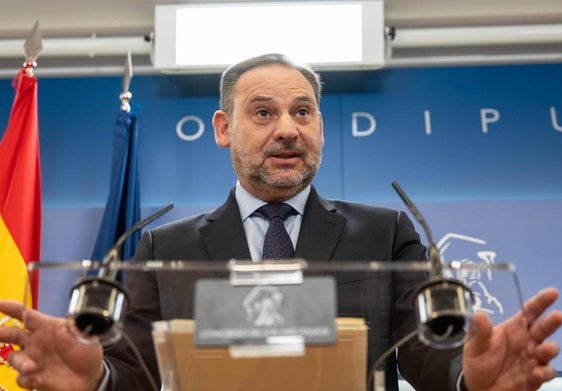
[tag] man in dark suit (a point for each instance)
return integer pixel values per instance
(271, 121)
(330, 230)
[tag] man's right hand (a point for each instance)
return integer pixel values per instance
(50, 358)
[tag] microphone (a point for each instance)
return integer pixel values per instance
(444, 305)
(98, 303)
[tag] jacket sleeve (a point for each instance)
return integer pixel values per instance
(424, 367)
(126, 372)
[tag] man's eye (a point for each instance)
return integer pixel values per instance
(302, 112)
(262, 113)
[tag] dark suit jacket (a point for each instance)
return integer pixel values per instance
(330, 231)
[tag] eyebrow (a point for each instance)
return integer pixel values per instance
(298, 99)
(260, 98)
(305, 98)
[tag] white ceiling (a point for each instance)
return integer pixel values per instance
(83, 18)
(74, 17)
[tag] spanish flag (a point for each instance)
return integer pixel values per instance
(20, 207)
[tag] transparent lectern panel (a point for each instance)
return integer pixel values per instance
(294, 324)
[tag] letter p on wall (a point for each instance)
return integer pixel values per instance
(488, 116)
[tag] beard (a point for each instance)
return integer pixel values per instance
(253, 169)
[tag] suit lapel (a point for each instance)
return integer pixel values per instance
(223, 237)
(321, 229)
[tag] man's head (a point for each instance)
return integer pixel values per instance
(230, 76)
(271, 121)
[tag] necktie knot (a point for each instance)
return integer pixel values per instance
(276, 209)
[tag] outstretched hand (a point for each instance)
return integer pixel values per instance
(516, 354)
(50, 357)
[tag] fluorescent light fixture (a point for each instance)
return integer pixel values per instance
(478, 36)
(324, 34)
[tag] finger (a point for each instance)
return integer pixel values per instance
(536, 305)
(479, 333)
(12, 308)
(546, 351)
(13, 335)
(32, 319)
(28, 382)
(545, 326)
(542, 374)
(20, 361)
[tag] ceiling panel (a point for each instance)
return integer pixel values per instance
(103, 18)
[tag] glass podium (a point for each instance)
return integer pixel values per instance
(284, 325)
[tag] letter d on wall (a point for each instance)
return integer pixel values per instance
(355, 132)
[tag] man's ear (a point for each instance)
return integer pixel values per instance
(222, 128)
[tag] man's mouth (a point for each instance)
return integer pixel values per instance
(286, 155)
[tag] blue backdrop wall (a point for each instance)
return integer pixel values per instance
(479, 149)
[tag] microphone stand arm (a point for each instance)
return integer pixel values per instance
(98, 303)
(443, 305)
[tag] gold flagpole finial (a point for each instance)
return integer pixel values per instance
(32, 46)
(126, 95)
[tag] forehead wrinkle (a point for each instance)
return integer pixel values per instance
(261, 86)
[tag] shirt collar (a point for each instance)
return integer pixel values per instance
(248, 203)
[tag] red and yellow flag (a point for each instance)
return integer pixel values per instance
(20, 207)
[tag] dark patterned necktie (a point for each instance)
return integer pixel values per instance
(277, 242)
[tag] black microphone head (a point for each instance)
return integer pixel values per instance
(93, 322)
(97, 308)
(444, 308)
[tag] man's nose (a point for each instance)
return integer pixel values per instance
(286, 128)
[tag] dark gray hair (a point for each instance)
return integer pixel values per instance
(230, 76)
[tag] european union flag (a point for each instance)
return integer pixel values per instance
(122, 210)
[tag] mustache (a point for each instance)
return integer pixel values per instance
(285, 146)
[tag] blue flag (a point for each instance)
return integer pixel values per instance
(122, 210)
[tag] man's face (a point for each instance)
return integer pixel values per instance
(274, 132)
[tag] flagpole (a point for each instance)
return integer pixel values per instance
(126, 95)
(122, 208)
(32, 47)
